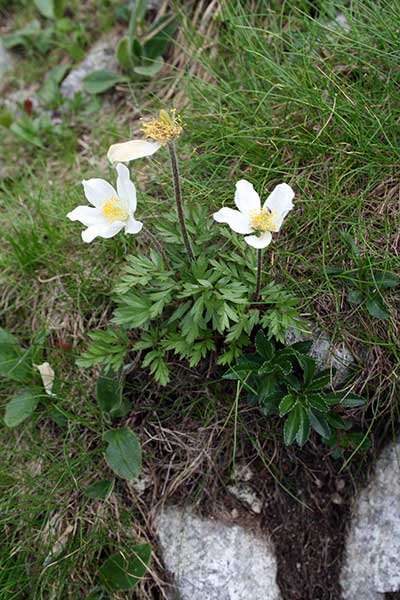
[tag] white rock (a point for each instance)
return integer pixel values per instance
(213, 561)
(247, 495)
(372, 561)
(327, 355)
(101, 56)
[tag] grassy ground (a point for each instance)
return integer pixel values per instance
(269, 93)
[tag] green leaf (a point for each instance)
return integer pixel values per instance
(350, 242)
(353, 401)
(286, 405)
(109, 391)
(123, 454)
(303, 432)
(354, 297)
(309, 367)
(320, 381)
(264, 346)
(100, 81)
(100, 489)
(157, 44)
(319, 423)
(15, 364)
(150, 68)
(376, 308)
(122, 571)
(45, 7)
(123, 54)
(386, 280)
(317, 401)
(20, 407)
(26, 135)
(292, 425)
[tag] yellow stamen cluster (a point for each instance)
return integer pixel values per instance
(113, 210)
(263, 219)
(164, 129)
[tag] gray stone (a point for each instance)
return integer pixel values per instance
(327, 354)
(101, 56)
(372, 561)
(213, 561)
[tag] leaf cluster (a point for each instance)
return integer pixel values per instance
(284, 381)
(188, 310)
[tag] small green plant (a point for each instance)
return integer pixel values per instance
(365, 284)
(284, 381)
(139, 53)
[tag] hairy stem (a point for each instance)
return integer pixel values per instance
(178, 198)
(258, 280)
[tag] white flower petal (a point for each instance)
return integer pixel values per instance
(280, 199)
(87, 215)
(97, 191)
(246, 197)
(131, 150)
(133, 226)
(47, 375)
(125, 187)
(260, 241)
(235, 219)
(104, 231)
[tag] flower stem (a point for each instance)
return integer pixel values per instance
(178, 198)
(258, 280)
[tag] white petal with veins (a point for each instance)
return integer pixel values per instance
(133, 226)
(47, 375)
(280, 199)
(104, 231)
(87, 215)
(236, 220)
(261, 241)
(246, 197)
(126, 188)
(97, 191)
(131, 150)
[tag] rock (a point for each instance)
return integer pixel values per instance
(101, 56)
(339, 22)
(372, 560)
(243, 491)
(214, 561)
(326, 353)
(6, 62)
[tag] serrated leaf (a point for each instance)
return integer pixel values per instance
(292, 425)
(303, 432)
(320, 381)
(109, 391)
(100, 81)
(100, 489)
(264, 346)
(319, 423)
(353, 401)
(123, 454)
(317, 401)
(123, 570)
(286, 404)
(309, 367)
(20, 407)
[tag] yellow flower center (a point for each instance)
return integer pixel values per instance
(263, 219)
(164, 129)
(114, 210)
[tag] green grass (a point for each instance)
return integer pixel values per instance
(285, 99)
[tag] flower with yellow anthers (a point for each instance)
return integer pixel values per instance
(158, 132)
(252, 218)
(111, 210)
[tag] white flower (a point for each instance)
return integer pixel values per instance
(254, 219)
(158, 132)
(111, 210)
